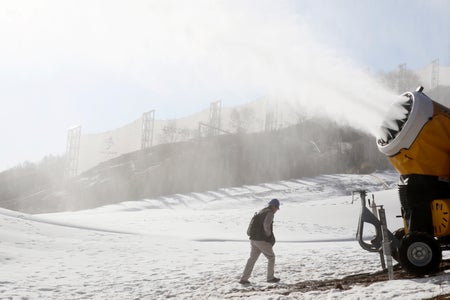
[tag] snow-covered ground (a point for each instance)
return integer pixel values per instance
(194, 245)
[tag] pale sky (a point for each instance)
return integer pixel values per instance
(101, 64)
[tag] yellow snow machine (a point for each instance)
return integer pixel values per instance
(415, 136)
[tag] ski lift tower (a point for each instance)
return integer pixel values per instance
(401, 86)
(215, 112)
(271, 119)
(435, 76)
(148, 124)
(72, 152)
(435, 73)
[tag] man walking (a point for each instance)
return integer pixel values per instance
(262, 241)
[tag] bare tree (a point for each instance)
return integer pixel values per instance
(169, 133)
(400, 80)
(241, 120)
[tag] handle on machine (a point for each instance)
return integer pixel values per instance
(366, 216)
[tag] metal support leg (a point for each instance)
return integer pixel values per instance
(386, 243)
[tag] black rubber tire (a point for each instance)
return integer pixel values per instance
(420, 254)
(399, 234)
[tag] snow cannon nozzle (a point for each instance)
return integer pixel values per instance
(414, 135)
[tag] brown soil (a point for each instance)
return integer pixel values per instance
(347, 282)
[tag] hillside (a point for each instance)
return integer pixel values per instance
(313, 147)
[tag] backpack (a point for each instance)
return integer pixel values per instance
(256, 223)
(251, 225)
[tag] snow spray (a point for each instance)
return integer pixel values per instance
(415, 136)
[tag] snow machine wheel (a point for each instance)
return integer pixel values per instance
(399, 234)
(420, 254)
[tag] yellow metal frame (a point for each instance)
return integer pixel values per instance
(440, 210)
(429, 154)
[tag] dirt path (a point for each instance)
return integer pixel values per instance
(347, 282)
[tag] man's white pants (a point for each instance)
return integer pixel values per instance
(258, 247)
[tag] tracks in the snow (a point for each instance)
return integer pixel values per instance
(344, 283)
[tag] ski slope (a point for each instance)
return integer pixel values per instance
(194, 246)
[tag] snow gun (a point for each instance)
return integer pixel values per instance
(415, 136)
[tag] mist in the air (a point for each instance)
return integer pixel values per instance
(103, 68)
(247, 51)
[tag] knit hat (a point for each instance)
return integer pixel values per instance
(275, 203)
